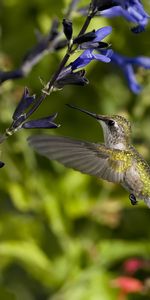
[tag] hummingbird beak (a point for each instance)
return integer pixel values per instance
(97, 117)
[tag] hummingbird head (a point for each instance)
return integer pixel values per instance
(116, 129)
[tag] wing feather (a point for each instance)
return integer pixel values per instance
(89, 158)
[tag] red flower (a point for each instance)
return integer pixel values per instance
(132, 265)
(127, 285)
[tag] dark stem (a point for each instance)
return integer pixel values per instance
(85, 25)
(49, 87)
(56, 74)
(6, 75)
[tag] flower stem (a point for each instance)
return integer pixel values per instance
(50, 84)
(85, 25)
(69, 52)
(49, 87)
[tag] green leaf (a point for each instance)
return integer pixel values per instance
(30, 257)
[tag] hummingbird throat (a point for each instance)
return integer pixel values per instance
(113, 140)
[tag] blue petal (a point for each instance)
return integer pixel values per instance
(118, 59)
(126, 65)
(132, 11)
(83, 60)
(141, 61)
(131, 79)
(107, 52)
(102, 58)
(115, 11)
(24, 104)
(80, 63)
(46, 122)
(102, 33)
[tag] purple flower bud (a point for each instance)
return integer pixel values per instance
(67, 26)
(103, 45)
(24, 104)
(87, 37)
(71, 78)
(18, 122)
(100, 34)
(103, 4)
(138, 29)
(46, 122)
(27, 106)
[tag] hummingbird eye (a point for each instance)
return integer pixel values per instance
(111, 123)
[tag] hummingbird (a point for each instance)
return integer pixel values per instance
(115, 160)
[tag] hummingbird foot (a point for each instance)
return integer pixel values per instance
(133, 199)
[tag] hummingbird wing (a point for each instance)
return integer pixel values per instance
(89, 158)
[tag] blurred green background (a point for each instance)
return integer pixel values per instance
(65, 235)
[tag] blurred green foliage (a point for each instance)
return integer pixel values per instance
(64, 235)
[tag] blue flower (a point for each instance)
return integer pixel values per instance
(132, 11)
(25, 108)
(46, 122)
(100, 34)
(88, 55)
(68, 77)
(25, 102)
(127, 65)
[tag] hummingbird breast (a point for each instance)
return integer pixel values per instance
(137, 176)
(132, 181)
